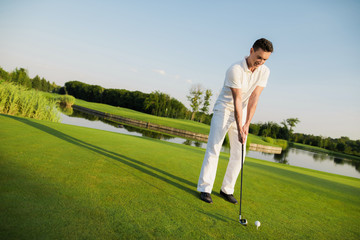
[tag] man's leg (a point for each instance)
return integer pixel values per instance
(218, 129)
(234, 167)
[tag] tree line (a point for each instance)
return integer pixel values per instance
(21, 77)
(285, 131)
(155, 103)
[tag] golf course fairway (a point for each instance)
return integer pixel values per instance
(59, 181)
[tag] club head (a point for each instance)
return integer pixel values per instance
(243, 221)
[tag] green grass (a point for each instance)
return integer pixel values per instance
(60, 181)
(259, 140)
(188, 125)
(318, 149)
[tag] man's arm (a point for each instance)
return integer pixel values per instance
(253, 100)
(236, 93)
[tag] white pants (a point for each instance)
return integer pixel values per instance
(221, 123)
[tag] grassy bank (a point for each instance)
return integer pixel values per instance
(128, 113)
(318, 149)
(169, 122)
(65, 182)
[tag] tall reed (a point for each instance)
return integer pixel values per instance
(19, 101)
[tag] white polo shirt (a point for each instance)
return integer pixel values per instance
(239, 76)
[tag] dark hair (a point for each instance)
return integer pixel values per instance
(264, 44)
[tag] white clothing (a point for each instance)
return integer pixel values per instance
(223, 121)
(239, 76)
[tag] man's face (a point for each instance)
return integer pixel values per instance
(258, 57)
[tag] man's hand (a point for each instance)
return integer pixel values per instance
(246, 128)
(243, 133)
(250, 113)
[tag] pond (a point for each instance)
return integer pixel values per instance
(292, 156)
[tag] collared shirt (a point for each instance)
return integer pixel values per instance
(239, 76)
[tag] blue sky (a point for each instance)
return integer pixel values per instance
(170, 45)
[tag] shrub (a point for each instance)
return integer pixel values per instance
(269, 140)
(282, 143)
(67, 100)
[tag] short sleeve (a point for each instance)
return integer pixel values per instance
(264, 78)
(233, 77)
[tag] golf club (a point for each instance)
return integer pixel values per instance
(242, 221)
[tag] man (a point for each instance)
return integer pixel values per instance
(233, 111)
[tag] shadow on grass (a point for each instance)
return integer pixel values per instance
(116, 156)
(133, 163)
(217, 216)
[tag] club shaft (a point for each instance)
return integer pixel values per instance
(242, 163)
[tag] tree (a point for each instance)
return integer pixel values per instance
(155, 102)
(36, 83)
(206, 104)
(292, 122)
(203, 115)
(177, 109)
(4, 75)
(95, 93)
(20, 76)
(164, 100)
(161, 104)
(152, 103)
(254, 128)
(289, 124)
(54, 86)
(194, 97)
(269, 129)
(44, 85)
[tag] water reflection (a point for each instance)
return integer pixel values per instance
(67, 110)
(338, 160)
(102, 123)
(291, 156)
(282, 157)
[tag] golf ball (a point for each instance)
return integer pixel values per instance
(257, 224)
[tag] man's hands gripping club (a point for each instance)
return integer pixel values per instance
(244, 131)
(253, 100)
